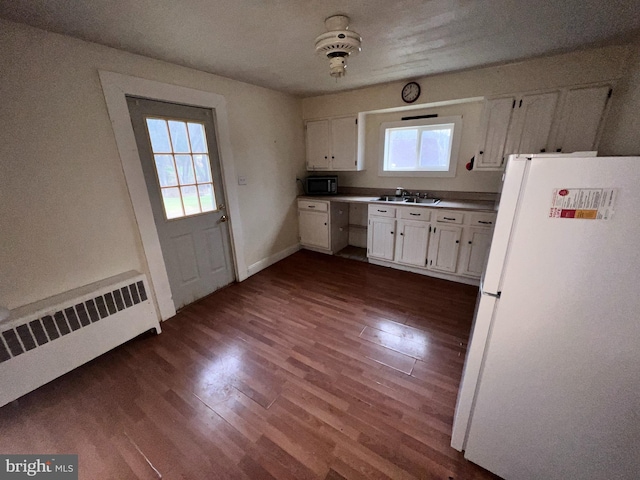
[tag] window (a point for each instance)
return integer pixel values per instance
(181, 158)
(422, 147)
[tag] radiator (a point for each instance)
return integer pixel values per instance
(44, 340)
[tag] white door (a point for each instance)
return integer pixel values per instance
(343, 143)
(496, 118)
(318, 145)
(412, 242)
(445, 244)
(314, 228)
(177, 147)
(381, 237)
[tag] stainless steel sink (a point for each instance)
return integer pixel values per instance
(389, 198)
(426, 201)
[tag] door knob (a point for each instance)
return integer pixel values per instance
(223, 218)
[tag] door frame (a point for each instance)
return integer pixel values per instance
(116, 87)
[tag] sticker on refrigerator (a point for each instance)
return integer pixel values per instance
(585, 203)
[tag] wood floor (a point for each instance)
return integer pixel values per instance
(317, 368)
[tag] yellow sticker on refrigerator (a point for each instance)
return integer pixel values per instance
(584, 203)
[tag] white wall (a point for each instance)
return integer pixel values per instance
(464, 180)
(621, 135)
(588, 66)
(65, 214)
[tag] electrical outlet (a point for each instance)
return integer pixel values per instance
(242, 180)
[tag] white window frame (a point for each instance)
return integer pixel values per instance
(456, 120)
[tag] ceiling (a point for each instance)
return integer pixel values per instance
(271, 42)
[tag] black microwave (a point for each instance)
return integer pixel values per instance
(321, 185)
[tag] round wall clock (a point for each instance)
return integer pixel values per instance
(411, 92)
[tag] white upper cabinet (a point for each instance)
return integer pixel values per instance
(531, 126)
(496, 119)
(566, 120)
(580, 119)
(332, 144)
(318, 145)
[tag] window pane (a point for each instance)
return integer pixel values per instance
(179, 136)
(435, 149)
(403, 144)
(185, 169)
(190, 200)
(206, 197)
(159, 135)
(196, 134)
(166, 171)
(172, 203)
(203, 170)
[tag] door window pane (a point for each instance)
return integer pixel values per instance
(190, 200)
(185, 169)
(166, 171)
(196, 135)
(179, 138)
(172, 203)
(203, 170)
(159, 135)
(182, 166)
(206, 197)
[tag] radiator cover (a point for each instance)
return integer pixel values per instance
(44, 340)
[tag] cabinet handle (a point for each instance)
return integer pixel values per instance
(469, 242)
(485, 223)
(415, 214)
(542, 150)
(325, 157)
(332, 156)
(480, 152)
(311, 206)
(448, 218)
(402, 234)
(559, 149)
(325, 223)
(457, 241)
(391, 233)
(382, 211)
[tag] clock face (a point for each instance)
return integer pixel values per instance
(411, 92)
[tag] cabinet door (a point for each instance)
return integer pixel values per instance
(445, 243)
(343, 143)
(381, 238)
(531, 125)
(314, 228)
(318, 145)
(580, 119)
(412, 241)
(477, 246)
(496, 118)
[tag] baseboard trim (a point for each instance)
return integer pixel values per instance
(270, 260)
(430, 273)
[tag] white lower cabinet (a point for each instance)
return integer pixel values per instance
(427, 240)
(314, 228)
(412, 242)
(445, 244)
(478, 241)
(323, 225)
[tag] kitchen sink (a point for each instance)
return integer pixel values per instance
(390, 198)
(425, 201)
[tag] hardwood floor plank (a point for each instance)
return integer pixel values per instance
(350, 372)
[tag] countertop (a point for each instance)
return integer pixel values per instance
(450, 204)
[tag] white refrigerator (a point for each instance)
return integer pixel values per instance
(551, 385)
